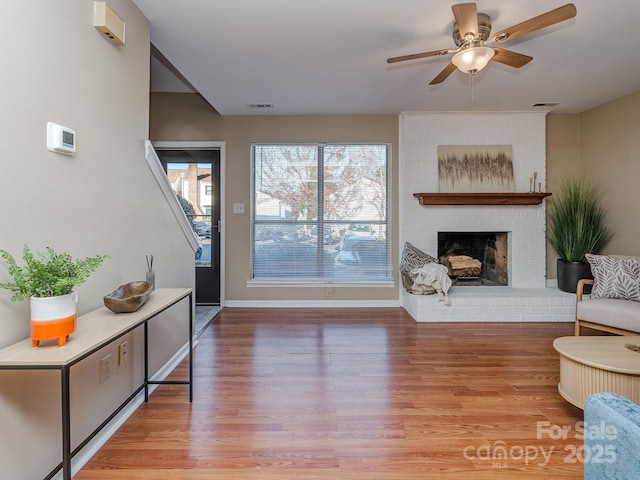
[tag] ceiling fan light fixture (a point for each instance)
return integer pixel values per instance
(472, 59)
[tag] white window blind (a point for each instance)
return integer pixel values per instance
(320, 212)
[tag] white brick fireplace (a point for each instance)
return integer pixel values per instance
(526, 297)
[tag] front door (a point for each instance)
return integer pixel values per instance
(194, 175)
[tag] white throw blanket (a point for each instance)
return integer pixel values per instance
(434, 275)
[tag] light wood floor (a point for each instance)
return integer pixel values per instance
(354, 394)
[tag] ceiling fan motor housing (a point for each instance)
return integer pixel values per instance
(484, 30)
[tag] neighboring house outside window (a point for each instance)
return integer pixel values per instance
(320, 213)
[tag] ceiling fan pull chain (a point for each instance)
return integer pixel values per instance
(471, 75)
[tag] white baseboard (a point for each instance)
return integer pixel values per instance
(312, 303)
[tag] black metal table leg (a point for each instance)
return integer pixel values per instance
(146, 362)
(66, 424)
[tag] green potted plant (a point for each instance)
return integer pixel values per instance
(576, 227)
(47, 280)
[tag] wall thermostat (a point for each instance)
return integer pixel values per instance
(61, 139)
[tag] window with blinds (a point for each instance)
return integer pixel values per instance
(320, 213)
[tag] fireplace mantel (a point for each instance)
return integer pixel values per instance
(481, 198)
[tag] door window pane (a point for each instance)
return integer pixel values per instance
(192, 183)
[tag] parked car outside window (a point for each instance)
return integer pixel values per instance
(199, 227)
(359, 230)
(364, 255)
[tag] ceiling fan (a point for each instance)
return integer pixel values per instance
(471, 32)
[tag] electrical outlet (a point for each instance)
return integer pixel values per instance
(123, 353)
(105, 368)
(330, 292)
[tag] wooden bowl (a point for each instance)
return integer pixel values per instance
(129, 297)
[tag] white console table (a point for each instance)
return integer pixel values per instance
(94, 331)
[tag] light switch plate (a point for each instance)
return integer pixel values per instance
(238, 208)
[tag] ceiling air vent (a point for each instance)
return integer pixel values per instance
(260, 105)
(546, 104)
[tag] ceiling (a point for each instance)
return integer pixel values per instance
(329, 57)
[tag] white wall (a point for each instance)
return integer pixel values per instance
(420, 135)
(103, 200)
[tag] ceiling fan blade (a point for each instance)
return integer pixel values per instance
(442, 76)
(466, 16)
(419, 55)
(536, 23)
(513, 59)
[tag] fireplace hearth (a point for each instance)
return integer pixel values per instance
(487, 257)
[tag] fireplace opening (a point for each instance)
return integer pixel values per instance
(475, 258)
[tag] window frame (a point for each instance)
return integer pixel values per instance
(385, 224)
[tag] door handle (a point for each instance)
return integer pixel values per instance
(219, 226)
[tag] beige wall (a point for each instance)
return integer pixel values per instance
(603, 143)
(563, 137)
(610, 153)
(181, 117)
(103, 200)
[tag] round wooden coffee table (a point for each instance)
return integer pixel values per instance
(595, 364)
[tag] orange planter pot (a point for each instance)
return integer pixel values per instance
(53, 317)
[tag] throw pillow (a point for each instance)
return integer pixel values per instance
(615, 277)
(413, 258)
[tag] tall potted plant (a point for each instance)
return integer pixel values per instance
(47, 280)
(576, 227)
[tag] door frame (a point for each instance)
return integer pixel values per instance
(204, 145)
